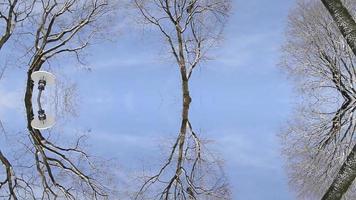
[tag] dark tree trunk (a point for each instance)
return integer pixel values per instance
(35, 66)
(344, 178)
(28, 97)
(344, 21)
(36, 134)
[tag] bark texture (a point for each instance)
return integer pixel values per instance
(347, 27)
(344, 179)
(344, 21)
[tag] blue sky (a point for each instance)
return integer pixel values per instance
(131, 99)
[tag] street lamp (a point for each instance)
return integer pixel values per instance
(42, 121)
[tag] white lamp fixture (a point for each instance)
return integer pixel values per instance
(42, 124)
(43, 121)
(44, 76)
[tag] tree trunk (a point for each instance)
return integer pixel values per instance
(9, 24)
(344, 178)
(35, 66)
(28, 97)
(29, 109)
(182, 135)
(344, 21)
(347, 27)
(186, 95)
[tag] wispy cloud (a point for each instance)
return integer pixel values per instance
(10, 100)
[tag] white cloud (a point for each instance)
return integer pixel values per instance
(242, 150)
(240, 51)
(10, 100)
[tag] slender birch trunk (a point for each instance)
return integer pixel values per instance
(344, 178)
(344, 21)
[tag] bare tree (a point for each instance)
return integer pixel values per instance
(12, 12)
(311, 167)
(45, 169)
(347, 26)
(321, 136)
(61, 170)
(190, 172)
(65, 26)
(344, 21)
(55, 27)
(190, 27)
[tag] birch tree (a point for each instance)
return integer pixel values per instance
(343, 179)
(344, 20)
(320, 138)
(190, 27)
(190, 171)
(347, 26)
